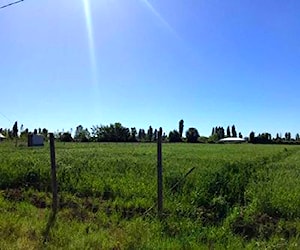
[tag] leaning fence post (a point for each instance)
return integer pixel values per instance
(53, 174)
(159, 175)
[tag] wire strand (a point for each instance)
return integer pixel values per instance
(7, 5)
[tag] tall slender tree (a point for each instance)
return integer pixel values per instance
(288, 136)
(133, 134)
(228, 131)
(141, 134)
(150, 133)
(252, 137)
(15, 129)
(181, 126)
(233, 131)
(15, 132)
(155, 135)
(213, 131)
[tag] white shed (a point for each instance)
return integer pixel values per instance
(2, 137)
(232, 140)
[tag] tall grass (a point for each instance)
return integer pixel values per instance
(238, 196)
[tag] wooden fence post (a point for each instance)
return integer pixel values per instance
(53, 175)
(159, 175)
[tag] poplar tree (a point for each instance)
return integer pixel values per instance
(181, 125)
(233, 131)
(15, 132)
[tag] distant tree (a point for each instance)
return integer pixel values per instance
(141, 135)
(81, 134)
(297, 137)
(24, 134)
(192, 135)
(240, 135)
(45, 132)
(133, 134)
(228, 131)
(203, 139)
(150, 133)
(78, 132)
(65, 137)
(213, 132)
(181, 126)
(8, 133)
(164, 136)
(269, 136)
(174, 136)
(86, 135)
(220, 132)
(252, 137)
(233, 131)
(35, 131)
(278, 139)
(117, 133)
(288, 136)
(122, 133)
(15, 132)
(213, 138)
(155, 135)
(263, 138)
(112, 133)
(95, 132)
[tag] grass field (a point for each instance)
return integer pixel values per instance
(238, 196)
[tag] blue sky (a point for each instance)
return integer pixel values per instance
(209, 62)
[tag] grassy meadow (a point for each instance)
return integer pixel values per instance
(238, 197)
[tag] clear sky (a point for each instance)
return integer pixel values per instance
(151, 62)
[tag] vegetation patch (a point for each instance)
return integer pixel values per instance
(236, 196)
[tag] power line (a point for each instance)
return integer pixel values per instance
(7, 5)
(5, 117)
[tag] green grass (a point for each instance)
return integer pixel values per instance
(238, 196)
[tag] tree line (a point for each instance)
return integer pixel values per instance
(118, 133)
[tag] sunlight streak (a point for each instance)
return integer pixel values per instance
(160, 18)
(91, 41)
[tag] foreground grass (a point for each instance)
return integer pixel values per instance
(238, 196)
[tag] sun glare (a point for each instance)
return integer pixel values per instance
(159, 17)
(91, 41)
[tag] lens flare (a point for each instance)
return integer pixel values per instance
(91, 41)
(160, 18)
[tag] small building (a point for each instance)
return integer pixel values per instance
(35, 140)
(2, 137)
(232, 140)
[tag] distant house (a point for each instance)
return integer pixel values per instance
(232, 140)
(35, 140)
(2, 137)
